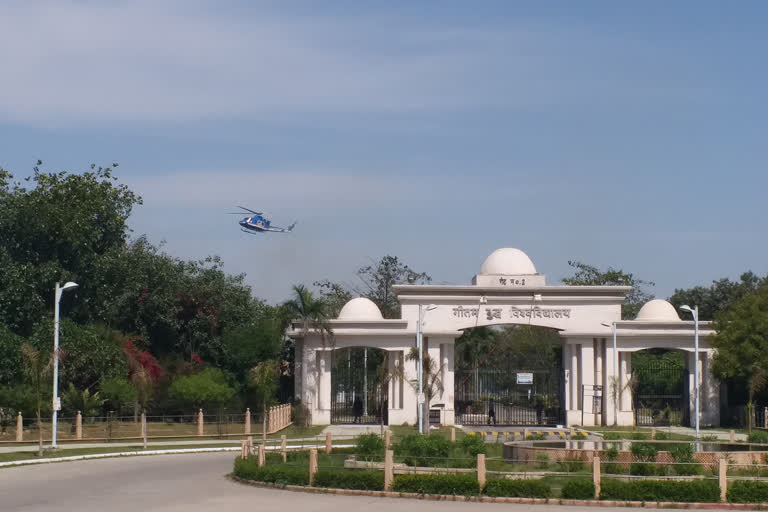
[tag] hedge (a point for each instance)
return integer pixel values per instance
(698, 491)
(283, 475)
(745, 491)
(517, 488)
(350, 479)
(456, 485)
(578, 489)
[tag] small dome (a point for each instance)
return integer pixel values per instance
(360, 308)
(508, 261)
(658, 310)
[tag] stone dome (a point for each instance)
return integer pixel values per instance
(508, 261)
(659, 311)
(360, 308)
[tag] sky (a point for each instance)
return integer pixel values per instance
(624, 134)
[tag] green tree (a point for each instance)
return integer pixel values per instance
(432, 382)
(248, 344)
(118, 393)
(720, 296)
(73, 400)
(309, 311)
(741, 343)
(209, 388)
(10, 357)
(37, 368)
(376, 281)
(587, 275)
(264, 379)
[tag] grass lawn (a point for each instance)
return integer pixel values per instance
(32, 454)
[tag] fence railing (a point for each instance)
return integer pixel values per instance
(223, 424)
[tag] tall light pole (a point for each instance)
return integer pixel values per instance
(695, 312)
(420, 347)
(614, 385)
(58, 291)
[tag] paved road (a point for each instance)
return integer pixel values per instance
(190, 483)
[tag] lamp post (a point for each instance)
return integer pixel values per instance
(420, 347)
(614, 385)
(58, 291)
(695, 312)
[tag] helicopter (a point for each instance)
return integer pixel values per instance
(257, 223)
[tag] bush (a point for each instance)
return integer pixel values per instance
(744, 491)
(300, 415)
(644, 452)
(421, 450)
(579, 489)
(698, 491)
(473, 445)
(758, 436)
(639, 436)
(350, 479)
(282, 474)
(370, 447)
(611, 454)
(662, 436)
(645, 469)
(612, 436)
(207, 388)
(542, 460)
(517, 488)
(683, 455)
(118, 394)
(457, 485)
(536, 437)
(579, 435)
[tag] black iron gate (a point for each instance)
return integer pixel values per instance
(660, 394)
(509, 397)
(356, 396)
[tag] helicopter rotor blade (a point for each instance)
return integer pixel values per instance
(249, 210)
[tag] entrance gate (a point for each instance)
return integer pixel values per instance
(356, 396)
(660, 397)
(516, 397)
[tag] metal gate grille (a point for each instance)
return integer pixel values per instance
(660, 396)
(494, 396)
(356, 394)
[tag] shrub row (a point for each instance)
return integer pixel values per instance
(517, 488)
(279, 474)
(745, 491)
(701, 491)
(346, 479)
(456, 485)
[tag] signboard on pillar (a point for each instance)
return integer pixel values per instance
(525, 378)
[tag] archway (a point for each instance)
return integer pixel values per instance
(660, 387)
(358, 386)
(509, 375)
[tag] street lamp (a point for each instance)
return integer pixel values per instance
(695, 312)
(420, 346)
(614, 385)
(58, 291)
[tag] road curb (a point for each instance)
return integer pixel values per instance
(491, 499)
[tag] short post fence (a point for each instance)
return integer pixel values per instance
(328, 442)
(262, 456)
(596, 476)
(722, 478)
(283, 448)
(247, 429)
(312, 465)
(78, 426)
(200, 422)
(481, 470)
(389, 469)
(387, 440)
(732, 436)
(19, 428)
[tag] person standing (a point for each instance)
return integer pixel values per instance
(357, 409)
(491, 412)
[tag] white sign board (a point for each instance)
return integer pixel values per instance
(420, 398)
(525, 378)
(57, 403)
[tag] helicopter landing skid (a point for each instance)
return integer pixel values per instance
(247, 231)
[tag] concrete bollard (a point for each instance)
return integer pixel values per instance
(722, 478)
(328, 442)
(453, 434)
(244, 450)
(144, 429)
(596, 475)
(653, 433)
(389, 470)
(200, 422)
(262, 456)
(387, 439)
(247, 428)
(312, 465)
(732, 436)
(525, 433)
(283, 448)
(19, 428)
(78, 425)
(481, 470)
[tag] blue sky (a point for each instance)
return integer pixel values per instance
(630, 134)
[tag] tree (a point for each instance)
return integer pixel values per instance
(73, 400)
(741, 343)
(264, 379)
(119, 394)
(310, 311)
(37, 367)
(376, 283)
(248, 344)
(720, 296)
(207, 388)
(432, 382)
(587, 275)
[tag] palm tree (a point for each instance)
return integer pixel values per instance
(37, 366)
(310, 311)
(432, 382)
